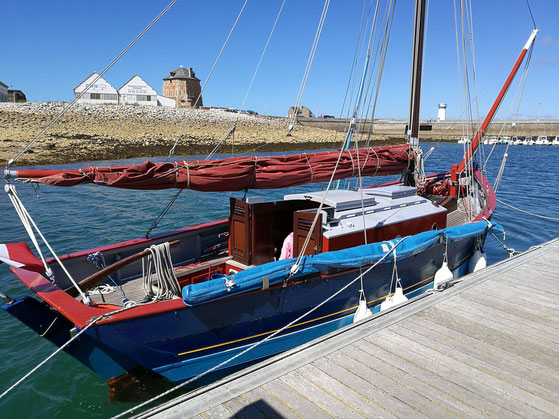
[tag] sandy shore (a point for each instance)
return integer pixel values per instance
(97, 132)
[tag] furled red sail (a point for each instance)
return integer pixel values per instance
(235, 173)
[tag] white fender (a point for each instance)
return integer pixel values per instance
(444, 274)
(397, 298)
(478, 261)
(362, 312)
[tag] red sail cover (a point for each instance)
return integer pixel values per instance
(235, 173)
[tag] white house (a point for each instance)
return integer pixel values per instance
(102, 92)
(3, 92)
(168, 102)
(137, 91)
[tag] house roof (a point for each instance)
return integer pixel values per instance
(181, 73)
(3, 85)
(135, 75)
(100, 79)
(81, 82)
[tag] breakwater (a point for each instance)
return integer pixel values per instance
(449, 130)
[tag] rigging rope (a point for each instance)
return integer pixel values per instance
(73, 338)
(527, 212)
(101, 74)
(183, 127)
(531, 15)
(234, 126)
(267, 338)
(310, 60)
(262, 55)
(172, 150)
(384, 49)
(355, 55)
(29, 225)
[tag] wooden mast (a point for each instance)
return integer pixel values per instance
(417, 63)
(415, 88)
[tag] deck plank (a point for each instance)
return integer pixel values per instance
(522, 364)
(486, 347)
(320, 396)
(510, 383)
(270, 405)
(504, 321)
(429, 389)
(358, 359)
(483, 398)
(345, 393)
(294, 400)
(516, 310)
(379, 396)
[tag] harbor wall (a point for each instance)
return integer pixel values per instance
(446, 130)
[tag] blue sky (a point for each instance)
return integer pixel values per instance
(48, 47)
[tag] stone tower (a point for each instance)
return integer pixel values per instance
(183, 86)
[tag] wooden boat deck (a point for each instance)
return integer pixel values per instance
(134, 290)
(487, 346)
(457, 217)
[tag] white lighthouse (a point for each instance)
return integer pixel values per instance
(442, 112)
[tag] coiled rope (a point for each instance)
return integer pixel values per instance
(159, 260)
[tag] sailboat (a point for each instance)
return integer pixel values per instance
(271, 276)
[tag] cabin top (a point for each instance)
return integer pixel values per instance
(382, 206)
(258, 228)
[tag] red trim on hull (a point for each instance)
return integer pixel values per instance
(81, 315)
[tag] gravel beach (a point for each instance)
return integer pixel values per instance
(99, 132)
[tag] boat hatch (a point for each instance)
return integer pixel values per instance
(392, 191)
(340, 200)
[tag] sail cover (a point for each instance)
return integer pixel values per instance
(235, 173)
(328, 262)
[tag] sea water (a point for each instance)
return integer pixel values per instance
(88, 216)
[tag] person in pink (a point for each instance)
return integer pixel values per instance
(287, 247)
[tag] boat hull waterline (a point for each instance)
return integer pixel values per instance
(186, 341)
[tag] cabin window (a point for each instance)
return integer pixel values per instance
(435, 226)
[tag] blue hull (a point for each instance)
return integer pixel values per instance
(183, 343)
(192, 367)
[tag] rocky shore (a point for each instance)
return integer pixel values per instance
(100, 132)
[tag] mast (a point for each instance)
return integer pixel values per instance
(481, 132)
(415, 85)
